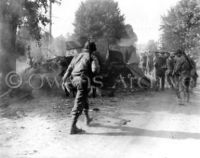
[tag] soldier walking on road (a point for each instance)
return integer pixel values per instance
(144, 63)
(182, 74)
(193, 74)
(170, 68)
(160, 69)
(80, 69)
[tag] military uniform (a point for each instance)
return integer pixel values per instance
(160, 69)
(182, 71)
(150, 64)
(193, 74)
(169, 72)
(80, 70)
(144, 63)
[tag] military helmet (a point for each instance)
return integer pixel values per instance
(162, 52)
(167, 54)
(179, 52)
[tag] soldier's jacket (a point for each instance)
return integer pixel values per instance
(144, 60)
(82, 65)
(170, 64)
(160, 62)
(194, 68)
(160, 65)
(182, 67)
(150, 62)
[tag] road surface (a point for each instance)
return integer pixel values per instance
(140, 125)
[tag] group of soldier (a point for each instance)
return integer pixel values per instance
(177, 68)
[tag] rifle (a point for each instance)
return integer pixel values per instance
(189, 61)
(92, 48)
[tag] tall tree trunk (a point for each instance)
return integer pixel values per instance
(8, 55)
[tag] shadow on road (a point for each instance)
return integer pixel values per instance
(132, 131)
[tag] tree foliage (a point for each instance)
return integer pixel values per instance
(181, 26)
(100, 19)
(28, 13)
(16, 14)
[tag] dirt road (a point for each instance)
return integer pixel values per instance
(141, 125)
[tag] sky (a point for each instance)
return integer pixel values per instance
(143, 15)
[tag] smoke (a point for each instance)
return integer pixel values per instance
(130, 39)
(126, 42)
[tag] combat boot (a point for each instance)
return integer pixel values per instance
(88, 119)
(74, 129)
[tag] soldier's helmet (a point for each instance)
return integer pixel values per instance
(167, 54)
(156, 53)
(179, 52)
(162, 54)
(90, 46)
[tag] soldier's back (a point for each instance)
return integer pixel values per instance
(160, 66)
(81, 62)
(184, 66)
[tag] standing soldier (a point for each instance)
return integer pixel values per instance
(193, 74)
(170, 68)
(182, 72)
(160, 69)
(150, 63)
(80, 69)
(144, 62)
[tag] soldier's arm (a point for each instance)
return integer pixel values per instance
(95, 66)
(155, 62)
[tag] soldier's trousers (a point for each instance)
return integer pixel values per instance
(169, 78)
(182, 88)
(160, 78)
(81, 100)
(160, 82)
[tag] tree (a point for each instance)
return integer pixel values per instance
(15, 14)
(100, 19)
(181, 26)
